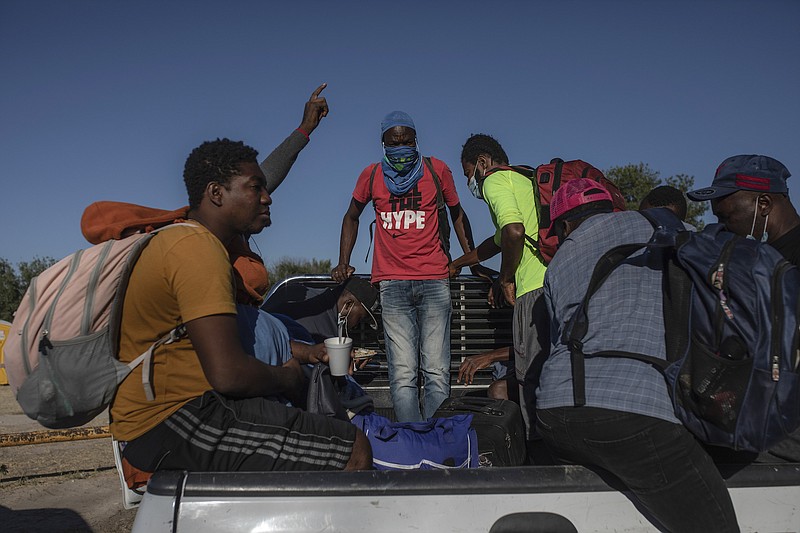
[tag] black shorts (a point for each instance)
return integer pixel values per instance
(213, 433)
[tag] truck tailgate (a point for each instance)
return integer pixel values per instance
(530, 498)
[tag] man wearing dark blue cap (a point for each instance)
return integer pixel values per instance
(745, 184)
(409, 193)
(750, 196)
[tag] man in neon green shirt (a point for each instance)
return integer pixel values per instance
(512, 202)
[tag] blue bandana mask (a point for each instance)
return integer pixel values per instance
(402, 168)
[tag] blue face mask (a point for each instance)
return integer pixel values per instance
(401, 158)
(402, 168)
(474, 185)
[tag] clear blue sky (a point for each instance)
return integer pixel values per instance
(103, 100)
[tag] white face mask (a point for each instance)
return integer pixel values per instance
(764, 234)
(474, 186)
(341, 320)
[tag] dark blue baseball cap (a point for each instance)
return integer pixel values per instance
(397, 118)
(757, 173)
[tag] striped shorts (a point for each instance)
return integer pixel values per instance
(214, 433)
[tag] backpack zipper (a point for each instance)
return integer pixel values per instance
(796, 342)
(91, 288)
(48, 319)
(777, 318)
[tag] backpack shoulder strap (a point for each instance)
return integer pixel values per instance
(436, 181)
(557, 171)
(444, 224)
(374, 206)
(146, 358)
(527, 171)
(676, 283)
(371, 180)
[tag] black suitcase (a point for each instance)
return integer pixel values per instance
(499, 425)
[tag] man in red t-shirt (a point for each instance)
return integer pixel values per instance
(410, 262)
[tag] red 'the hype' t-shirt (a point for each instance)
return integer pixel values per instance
(407, 244)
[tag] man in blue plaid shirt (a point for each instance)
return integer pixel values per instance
(627, 425)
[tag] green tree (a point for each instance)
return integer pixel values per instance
(636, 180)
(14, 282)
(286, 267)
(9, 291)
(30, 269)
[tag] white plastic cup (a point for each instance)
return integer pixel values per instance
(339, 355)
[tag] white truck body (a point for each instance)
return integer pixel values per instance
(520, 499)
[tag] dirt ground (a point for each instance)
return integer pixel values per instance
(57, 486)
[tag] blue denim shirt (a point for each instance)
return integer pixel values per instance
(624, 315)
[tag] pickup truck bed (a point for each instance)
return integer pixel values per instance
(498, 500)
(474, 329)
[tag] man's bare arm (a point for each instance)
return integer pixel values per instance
(473, 363)
(230, 370)
(462, 227)
(347, 241)
(512, 240)
(485, 250)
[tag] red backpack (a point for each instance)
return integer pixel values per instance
(547, 179)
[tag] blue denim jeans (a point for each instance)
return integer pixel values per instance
(662, 464)
(416, 324)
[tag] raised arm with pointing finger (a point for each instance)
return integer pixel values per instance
(277, 164)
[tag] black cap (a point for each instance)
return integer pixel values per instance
(366, 293)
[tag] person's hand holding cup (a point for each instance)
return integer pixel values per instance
(339, 355)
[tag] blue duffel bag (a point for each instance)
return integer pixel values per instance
(438, 443)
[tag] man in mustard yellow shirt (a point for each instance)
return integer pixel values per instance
(512, 202)
(210, 410)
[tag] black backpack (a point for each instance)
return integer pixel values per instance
(731, 326)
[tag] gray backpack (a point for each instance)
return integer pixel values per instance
(62, 351)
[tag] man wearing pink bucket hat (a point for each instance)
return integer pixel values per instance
(626, 424)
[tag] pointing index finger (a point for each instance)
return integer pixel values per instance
(318, 90)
